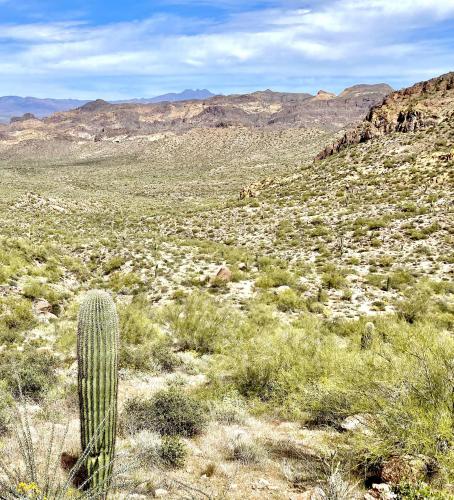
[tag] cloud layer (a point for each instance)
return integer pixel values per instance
(328, 43)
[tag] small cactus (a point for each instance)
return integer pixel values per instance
(388, 283)
(97, 353)
(367, 336)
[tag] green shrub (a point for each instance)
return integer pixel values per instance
(172, 451)
(289, 301)
(170, 412)
(333, 277)
(35, 289)
(415, 306)
(143, 346)
(400, 279)
(124, 282)
(199, 323)
(15, 314)
(275, 277)
(418, 491)
(113, 264)
(272, 364)
(29, 373)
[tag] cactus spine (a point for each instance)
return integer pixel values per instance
(97, 353)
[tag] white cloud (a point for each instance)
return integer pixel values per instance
(361, 38)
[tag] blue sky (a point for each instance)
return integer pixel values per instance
(141, 48)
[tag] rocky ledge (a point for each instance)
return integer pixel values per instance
(406, 110)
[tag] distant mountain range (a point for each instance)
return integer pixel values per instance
(11, 106)
(186, 95)
(104, 121)
(14, 106)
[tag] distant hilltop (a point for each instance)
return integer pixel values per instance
(15, 106)
(325, 110)
(186, 95)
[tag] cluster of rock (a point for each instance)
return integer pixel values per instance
(406, 110)
(253, 190)
(38, 202)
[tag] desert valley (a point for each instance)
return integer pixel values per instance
(282, 267)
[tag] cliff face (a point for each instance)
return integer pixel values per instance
(423, 105)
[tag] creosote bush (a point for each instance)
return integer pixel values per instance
(171, 412)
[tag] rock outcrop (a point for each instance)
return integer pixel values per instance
(23, 118)
(406, 110)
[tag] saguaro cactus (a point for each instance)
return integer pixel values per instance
(367, 335)
(97, 352)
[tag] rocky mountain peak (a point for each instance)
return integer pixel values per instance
(96, 105)
(422, 105)
(323, 95)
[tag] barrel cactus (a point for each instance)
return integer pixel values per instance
(97, 353)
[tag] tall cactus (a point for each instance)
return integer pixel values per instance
(97, 353)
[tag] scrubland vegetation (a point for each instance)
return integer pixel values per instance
(324, 360)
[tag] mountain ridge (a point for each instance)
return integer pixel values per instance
(99, 120)
(405, 110)
(15, 106)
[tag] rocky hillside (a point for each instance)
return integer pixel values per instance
(373, 210)
(99, 120)
(425, 104)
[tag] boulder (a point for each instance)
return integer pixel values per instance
(313, 494)
(406, 468)
(42, 307)
(224, 274)
(381, 491)
(360, 423)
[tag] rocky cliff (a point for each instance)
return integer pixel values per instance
(420, 106)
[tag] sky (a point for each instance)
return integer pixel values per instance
(142, 48)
